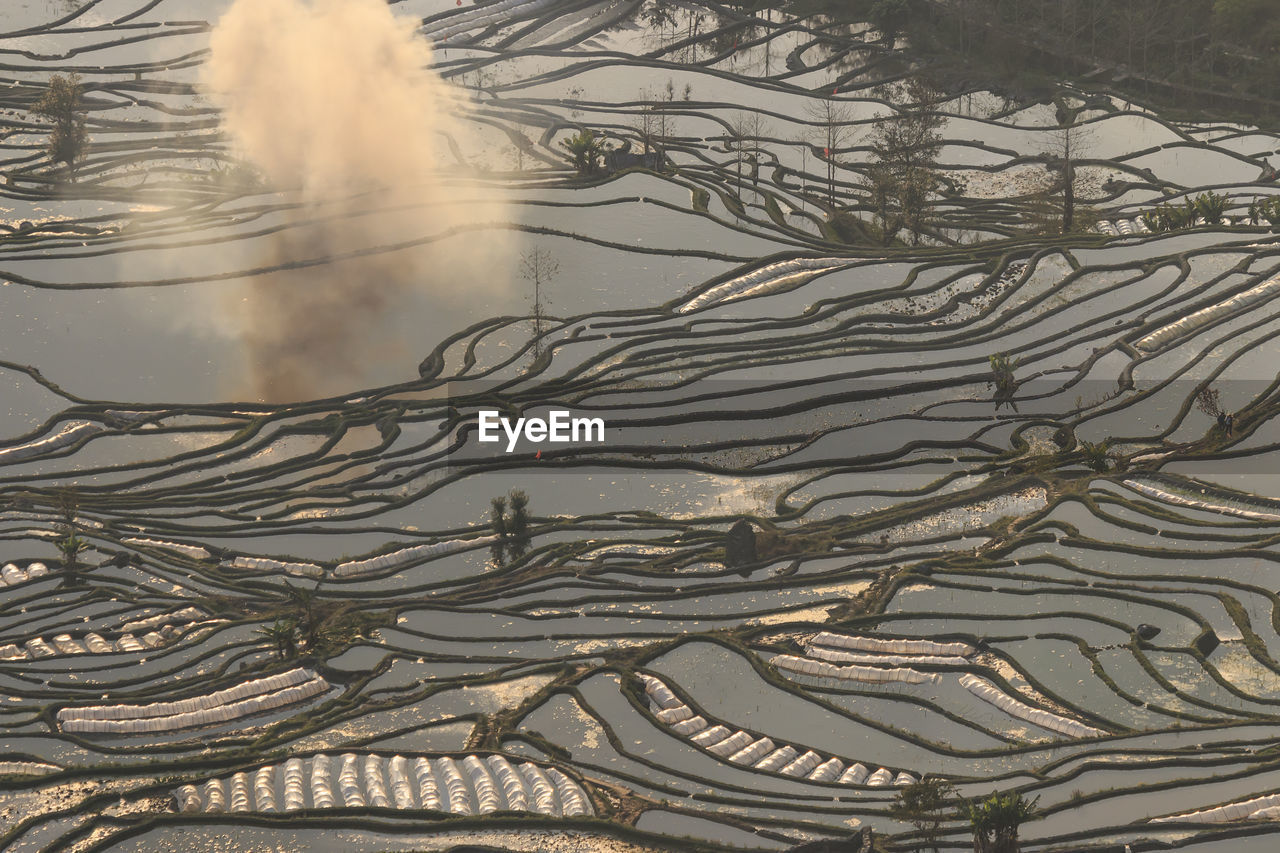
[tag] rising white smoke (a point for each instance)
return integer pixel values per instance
(334, 102)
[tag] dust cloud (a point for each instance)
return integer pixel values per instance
(333, 101)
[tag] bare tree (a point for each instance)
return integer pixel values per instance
(1066, 145)
(539, 267)
(746, 131)
(833, 129)
(657, 123)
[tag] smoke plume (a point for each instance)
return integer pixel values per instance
(334, 102)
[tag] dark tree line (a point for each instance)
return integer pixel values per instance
(1182, 47)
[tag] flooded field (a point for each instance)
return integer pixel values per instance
(981, 501)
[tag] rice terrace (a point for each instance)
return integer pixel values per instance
(639, 425)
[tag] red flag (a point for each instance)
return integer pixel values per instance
(826, 152)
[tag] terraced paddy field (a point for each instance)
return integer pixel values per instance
(954, 505)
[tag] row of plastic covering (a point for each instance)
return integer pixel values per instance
(853, 672)
(882, 645)
(760, 753)
(481, 17)
(1117, 227)
(766, 278)
(243, 700)
(988, 692)
(1205, 316)
(840, 656)
(1259, 808)
(1211, 501)
(185, 615)
(383, 562)
(265, 564)
(474, 785)
(93, 643)
(65, 437)
(193, 551)
(12, 575)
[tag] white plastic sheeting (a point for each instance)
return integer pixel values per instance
(743, 748)
(988, 692)
(428, 790)
(690, 726)
(243, 700)
(375, 783)
(671, 716)
(294, 793)
(454, 786)
(1213, 502)
(65, 437)
(896, 647)
(188, 798)
(731, 744)
(841, 656)
(321, 790)
(777, 759)
(853, 672)
(763, 280)
(240, 801)
(12, 575)
(264, 788)
(753, 752)
(215, 799)
(827, 771)
(1266, 807)
(803, 765)
(349, 781)
(1205, 316)
(487, 800)
(710, 737)
(856, 774)
(495, 785)
(67, 646)
(263, 564)
(398, 776)
(544, 793)
(193, 551)
(880, 779)
(573, 800)
(395, 559)
(513, 785)
(185, 615)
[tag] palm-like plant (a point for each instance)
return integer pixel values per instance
(996, 819)
(1002, 368)
(1210, 207)
(283, 636)
(586, 151)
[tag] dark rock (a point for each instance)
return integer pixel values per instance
(1206, 643)
(740, 544)
(1147, 632)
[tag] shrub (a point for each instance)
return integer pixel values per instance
(1210, 207)
(61, 103)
